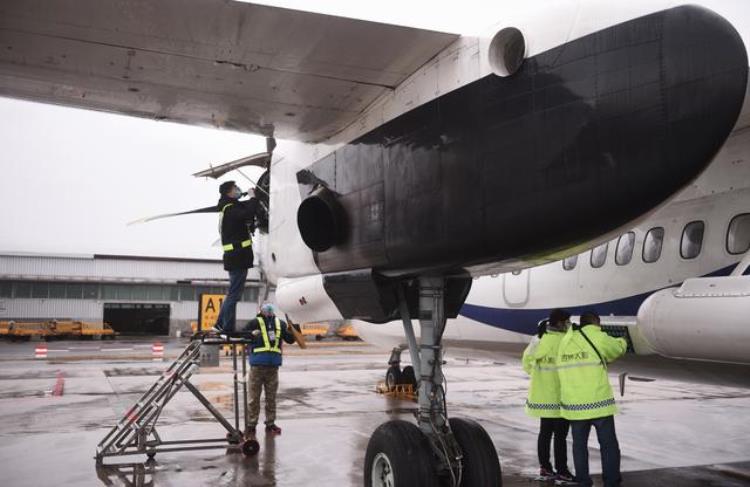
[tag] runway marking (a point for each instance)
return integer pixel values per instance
(57, 350)
(116, 349)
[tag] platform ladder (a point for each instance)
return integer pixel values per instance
(136, 432)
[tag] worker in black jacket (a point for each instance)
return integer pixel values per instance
(236, 225)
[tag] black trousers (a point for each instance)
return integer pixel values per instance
(608, 447)
(557, 427)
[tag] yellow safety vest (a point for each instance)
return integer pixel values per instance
(267, 347)
(585, 391)
(540, 362)
(231, 246)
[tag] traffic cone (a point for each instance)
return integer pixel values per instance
(40, 351)
(157, 352)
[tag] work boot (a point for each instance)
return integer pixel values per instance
(564, 476)
(272, 429)
(545, 474)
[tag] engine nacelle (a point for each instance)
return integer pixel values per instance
(704, 319)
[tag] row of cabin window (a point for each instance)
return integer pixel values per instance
(691, 243)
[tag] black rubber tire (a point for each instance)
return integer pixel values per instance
(250, 447)
(408, 376)
(151, 455)
(392, 376)
(481, 466)
(408, 452)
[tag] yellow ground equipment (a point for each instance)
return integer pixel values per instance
(23, 331)
(315, 330)
(346, 332)
(103, 330)
(398, 391)
(50, 330)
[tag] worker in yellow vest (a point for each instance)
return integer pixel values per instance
(586, 397)
(267, 332)
(236, 226)
(539, 361)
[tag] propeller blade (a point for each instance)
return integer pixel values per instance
(207, 209)
(261, 160)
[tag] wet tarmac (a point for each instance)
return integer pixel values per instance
(670, 432)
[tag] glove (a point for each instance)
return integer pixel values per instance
(255, 333)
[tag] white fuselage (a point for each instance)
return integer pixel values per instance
(290, 264)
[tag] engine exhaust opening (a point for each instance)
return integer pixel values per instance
(507, 51)
(320, 219)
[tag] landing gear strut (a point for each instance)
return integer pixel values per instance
(437, 451)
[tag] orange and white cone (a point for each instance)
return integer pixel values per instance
(40, 351)
(157, 352)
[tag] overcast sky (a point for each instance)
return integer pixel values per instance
(71, 179)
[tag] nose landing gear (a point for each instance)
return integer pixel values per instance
(435, 451)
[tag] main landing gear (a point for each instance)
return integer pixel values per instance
(437, 451)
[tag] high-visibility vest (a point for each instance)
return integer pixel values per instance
(267, 345)
(232, 246)
(585, 391)
(540, 362)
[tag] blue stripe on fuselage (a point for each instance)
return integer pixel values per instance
(525, 320)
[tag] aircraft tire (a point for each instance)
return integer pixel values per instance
(392, 376)
(408, 377)
(399, 455)
(481, 466)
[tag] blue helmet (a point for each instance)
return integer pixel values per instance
(267, 309)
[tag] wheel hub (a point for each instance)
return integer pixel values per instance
(382, 471)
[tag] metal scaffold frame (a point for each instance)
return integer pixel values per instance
(135, 433)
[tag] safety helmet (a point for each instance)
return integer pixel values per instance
(267, 309)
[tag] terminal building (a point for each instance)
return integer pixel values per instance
(135, 295)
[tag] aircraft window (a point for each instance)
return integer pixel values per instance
(625, 246)
(652, 244)
(569, 263)
(599, 255)
(738, 236)
(692, 240)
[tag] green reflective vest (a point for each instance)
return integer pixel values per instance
(269, 346)
(585, 391)
(540, 362)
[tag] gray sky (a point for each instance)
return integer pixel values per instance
(72, 179)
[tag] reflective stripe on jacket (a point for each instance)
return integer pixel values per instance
(540, 362)
(268, 351)
(585, 391)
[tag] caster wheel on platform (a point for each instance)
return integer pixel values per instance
(481, 467)
(399, 455)
(250, 447)
(234, 438)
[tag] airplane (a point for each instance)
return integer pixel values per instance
(411, 161)
(676, 285)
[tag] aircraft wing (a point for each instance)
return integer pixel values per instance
(220, 63)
